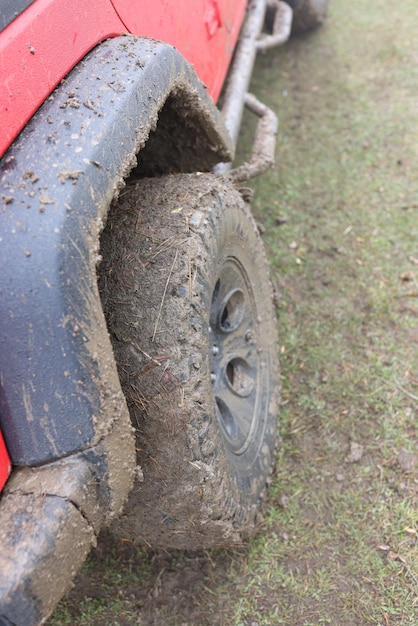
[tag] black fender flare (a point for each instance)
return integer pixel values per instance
(62, 411)
(57, 182)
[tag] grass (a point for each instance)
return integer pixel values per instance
(339, 544)
(342, 236)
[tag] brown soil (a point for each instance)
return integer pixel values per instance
(341, 501)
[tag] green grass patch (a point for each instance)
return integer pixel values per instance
(339, 543)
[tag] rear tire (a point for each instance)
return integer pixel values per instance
(187, 298)
(307, 14)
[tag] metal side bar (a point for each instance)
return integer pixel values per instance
(262, 155)
(282, 16)
(236, 95)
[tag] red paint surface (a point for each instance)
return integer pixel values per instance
(5, 465)
(205, 31)
(39, 48)
(47, 40)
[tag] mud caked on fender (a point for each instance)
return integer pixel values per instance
(61, 406)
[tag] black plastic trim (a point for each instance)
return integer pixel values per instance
(56, 184)
(10, 9)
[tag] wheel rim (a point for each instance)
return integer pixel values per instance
(234, 359)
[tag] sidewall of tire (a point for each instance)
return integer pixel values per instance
(194, 493)
(308, 15)
(233, 236)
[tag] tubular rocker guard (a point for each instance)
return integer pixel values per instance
(61, 406)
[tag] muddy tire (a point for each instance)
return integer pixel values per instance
(307, 14)
(187, 298)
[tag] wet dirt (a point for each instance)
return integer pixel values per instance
(157, 286)
(334, 443)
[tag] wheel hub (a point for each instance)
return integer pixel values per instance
(234, 359)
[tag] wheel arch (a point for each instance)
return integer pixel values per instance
(57, 181)
(61, 405)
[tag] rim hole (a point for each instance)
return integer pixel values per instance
(226, 418)
(240, 377)
(216, 290)
(232, 311)
(213, 306)
(230, 373)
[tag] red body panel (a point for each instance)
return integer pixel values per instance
(44, 43)
(5, 465)
(39, 48)
(49, 38)
(205, 31)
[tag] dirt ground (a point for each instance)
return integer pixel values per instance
(339, 211)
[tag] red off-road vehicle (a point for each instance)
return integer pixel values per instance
(138, 370)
